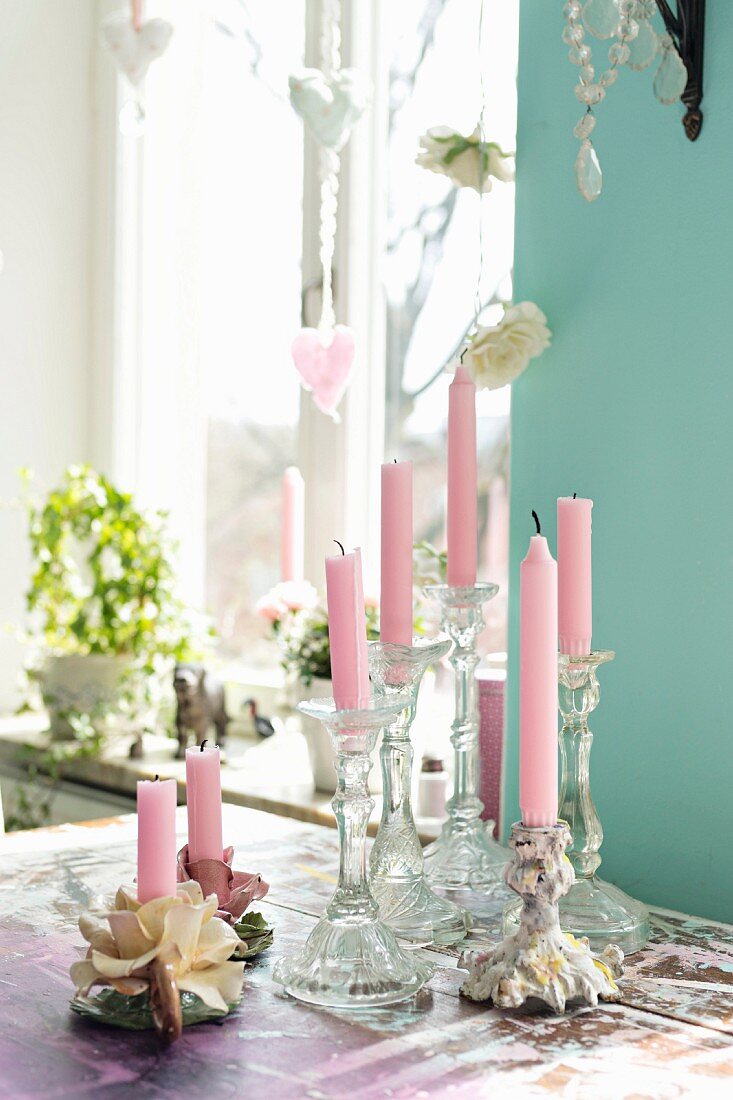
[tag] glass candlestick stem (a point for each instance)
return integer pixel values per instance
(415, 913)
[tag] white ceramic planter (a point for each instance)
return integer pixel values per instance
(80, 684)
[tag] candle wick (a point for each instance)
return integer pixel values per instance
(395, 461)
(203, 743)
(340, 545)
(574, 495)
(536, 518)
(157, 779)
(463, 353)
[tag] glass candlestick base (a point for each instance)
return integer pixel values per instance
(416, 914)
(465, 854)
(592, 907)
(351, 958)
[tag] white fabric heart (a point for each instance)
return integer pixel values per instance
(330, 106)
(134, 51)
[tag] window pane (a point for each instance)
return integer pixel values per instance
(434, 255)
(250, 285)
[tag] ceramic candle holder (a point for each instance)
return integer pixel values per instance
(235, 890)
(539, 961)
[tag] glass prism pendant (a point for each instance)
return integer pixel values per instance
(601, 17)
(588, 174)
(643, 48)
(671, 77)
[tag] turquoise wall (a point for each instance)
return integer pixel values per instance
(633, 406)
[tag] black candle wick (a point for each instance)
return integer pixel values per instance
(574, 495)
(340, 546)
(203, 743)
(157, 779)
(536, 518)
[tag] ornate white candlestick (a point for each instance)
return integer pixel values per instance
(465, 853)
(592, 908)
(351, 959)
(406, 903)
(539, 961)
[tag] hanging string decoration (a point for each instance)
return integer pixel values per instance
(330, 101)
(133, 44)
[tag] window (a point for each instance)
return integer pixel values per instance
(222, 191)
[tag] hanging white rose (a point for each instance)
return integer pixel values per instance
(498, 354)
(467, 161)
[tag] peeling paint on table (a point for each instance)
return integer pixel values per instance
(671, 1035)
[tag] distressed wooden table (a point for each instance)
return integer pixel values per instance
(671, 1036)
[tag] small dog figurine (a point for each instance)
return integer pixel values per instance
(200, 704)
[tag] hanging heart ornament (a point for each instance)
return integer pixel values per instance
(329, 106)
(133, 51)
(324, 369)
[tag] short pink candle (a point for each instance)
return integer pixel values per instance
(574, 575)
(156, 839)
(203, 798)
(293, 525)
(538, 685)
(462, 480)
(347, 631)
(395, 607)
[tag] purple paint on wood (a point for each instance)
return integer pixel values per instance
(491, 691)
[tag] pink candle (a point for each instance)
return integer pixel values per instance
(538, 685)
(203, 798)
(395, 608)
(156, 839)
(347, 631)
(462, 480)
(575, 593)
(293, 513)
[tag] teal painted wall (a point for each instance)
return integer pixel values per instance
(633, 406)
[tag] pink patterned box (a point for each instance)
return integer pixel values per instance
(491, 692)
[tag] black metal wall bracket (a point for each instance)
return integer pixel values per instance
(687, 28)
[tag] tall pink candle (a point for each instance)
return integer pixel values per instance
(462, 480)
(538, 685)
(156, 839)
(293, 523)
(203, 798)
(575, 592)
(347, 630)
(395, 607)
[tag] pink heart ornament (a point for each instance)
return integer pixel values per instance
(133, 51)
(324, 369)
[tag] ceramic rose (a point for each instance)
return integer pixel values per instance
(234, 890)
(467, 161)
(499, 353)
(126, 939)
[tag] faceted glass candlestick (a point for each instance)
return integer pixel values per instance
(406, 903)
(465, 853)
(351, 958)
(592, 907)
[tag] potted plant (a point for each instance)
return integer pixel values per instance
(103, 610)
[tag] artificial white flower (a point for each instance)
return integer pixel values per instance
(467, 161)
(499, 353)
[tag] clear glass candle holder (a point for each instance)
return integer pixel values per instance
(407, 904)
(352, 959)
(592, 907)
(465, 854)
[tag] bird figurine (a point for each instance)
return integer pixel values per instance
(263, 726)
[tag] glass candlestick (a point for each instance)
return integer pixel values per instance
(592, 907)
(465, 854)
(406, 903)
(352, 959)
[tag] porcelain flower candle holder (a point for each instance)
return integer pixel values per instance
(406, 902)
(352, 959)
(235, 891)
(465, 854)
(592, 908)
(539, 961)
(164, 964)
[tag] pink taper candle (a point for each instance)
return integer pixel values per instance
(575, 593)
(156, 839)
(462, 480)
(292, 530)
(347, 630)
(538, 685)
(203, 798)
(395, 606)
